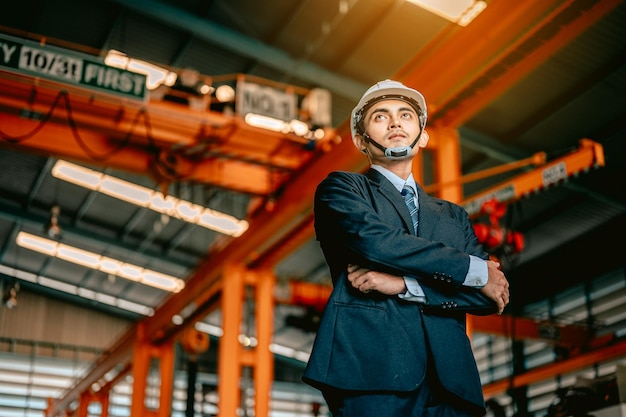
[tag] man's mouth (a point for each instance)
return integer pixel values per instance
(397, 135)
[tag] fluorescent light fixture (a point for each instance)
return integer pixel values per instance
(145, 197)
(461, 12)
(81, 292)
(101, 263)
(266, 122)
(155, 75)
(297, 127)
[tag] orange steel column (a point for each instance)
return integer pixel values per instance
(142, 358)
(418, 167)
(264, 361)
(230, 352)
(165, 354)
(83, 404)
(87, 397)
(141, 367)
(233, 358)
(447, 163)
(105, 398)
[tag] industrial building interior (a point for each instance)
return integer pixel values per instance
(198, 293)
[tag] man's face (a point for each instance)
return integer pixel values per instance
(392, 123)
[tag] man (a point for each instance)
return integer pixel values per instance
(392, 341)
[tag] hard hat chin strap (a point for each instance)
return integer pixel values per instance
(400, 152)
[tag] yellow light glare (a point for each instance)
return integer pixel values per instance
(471, 13)
(461, 12)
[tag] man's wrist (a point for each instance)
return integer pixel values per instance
(477, 274)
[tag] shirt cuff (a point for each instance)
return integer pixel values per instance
(414, 291)
(477, 274)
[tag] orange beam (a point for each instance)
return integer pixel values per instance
(483, 44)
(589, 155)
(509, 72)
(523, 328)
(537, 159)
(58, 140)
(499, 48)
(542, 373)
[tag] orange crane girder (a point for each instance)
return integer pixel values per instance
(167, 141)
(589, 155)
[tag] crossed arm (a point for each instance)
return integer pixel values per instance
(366, 280)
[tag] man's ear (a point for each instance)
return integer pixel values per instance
(359, 143)
(423, 140)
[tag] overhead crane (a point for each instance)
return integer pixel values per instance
(248, 261)
(161, 139)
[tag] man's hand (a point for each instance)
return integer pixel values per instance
(366, 280)
(497, 287)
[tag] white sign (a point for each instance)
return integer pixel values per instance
(46, 61)
(266, 101)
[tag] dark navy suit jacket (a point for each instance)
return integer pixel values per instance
(382, 343)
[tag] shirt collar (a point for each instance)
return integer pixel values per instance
(397, 182)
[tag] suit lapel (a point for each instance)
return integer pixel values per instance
(389, 192)
(428, 214)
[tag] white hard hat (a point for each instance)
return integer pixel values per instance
(387, 90)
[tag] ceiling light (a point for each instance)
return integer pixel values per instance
(461, 12)
(225, 93)
(155, 75)
(74, 290)
(98, 262)
(265, 122)
(145, 197)
(297, 127)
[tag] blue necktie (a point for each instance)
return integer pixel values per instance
(409, 198)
